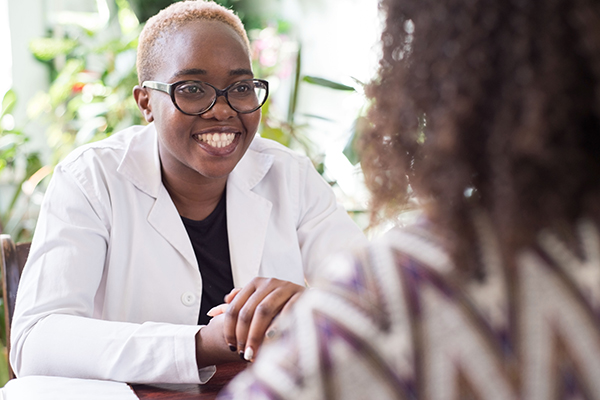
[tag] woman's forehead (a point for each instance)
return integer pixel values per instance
(199, 32)
(203, 45)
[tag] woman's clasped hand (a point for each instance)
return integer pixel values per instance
(249, 313)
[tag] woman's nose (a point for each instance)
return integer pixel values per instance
(221, 110)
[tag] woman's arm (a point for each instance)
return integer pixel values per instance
(61, 324)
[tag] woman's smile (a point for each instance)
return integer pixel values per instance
(218, 142)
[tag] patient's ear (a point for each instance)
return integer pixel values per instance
(142, 98)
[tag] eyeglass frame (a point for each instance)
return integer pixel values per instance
(169, 88)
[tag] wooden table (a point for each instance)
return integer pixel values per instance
(224, 374)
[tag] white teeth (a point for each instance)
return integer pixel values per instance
(217, 140)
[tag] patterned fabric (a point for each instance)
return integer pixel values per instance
(392, 322)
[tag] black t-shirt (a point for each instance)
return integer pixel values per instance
(209, 239)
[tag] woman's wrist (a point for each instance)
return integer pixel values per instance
(211, 348)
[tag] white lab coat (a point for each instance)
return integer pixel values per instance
(112, 289)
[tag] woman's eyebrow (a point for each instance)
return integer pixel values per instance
(240, 71)
(198, 71)
(190, 71)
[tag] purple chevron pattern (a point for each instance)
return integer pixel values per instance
(392, 321)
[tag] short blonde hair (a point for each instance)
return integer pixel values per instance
(173, 16)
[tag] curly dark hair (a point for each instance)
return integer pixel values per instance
(492, 105)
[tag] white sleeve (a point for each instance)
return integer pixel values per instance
(54, 329)
(325, 228)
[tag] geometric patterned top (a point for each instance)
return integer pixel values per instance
(392, 322)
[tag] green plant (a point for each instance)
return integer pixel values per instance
(90, 94)
(89, 98)
(278, 58)
(18, 163)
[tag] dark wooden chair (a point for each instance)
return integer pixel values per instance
(12, 261)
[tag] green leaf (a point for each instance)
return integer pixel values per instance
(46, 49)
(276, 134)
(350, 150)
(315, 116)
(34, 163)
(327, 83)
(8, 102)
(63, 84)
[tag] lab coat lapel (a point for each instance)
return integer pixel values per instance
(247, 216)
(165, 218)
(141, 165)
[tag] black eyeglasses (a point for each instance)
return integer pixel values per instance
(197, 97)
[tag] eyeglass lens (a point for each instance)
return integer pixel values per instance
(195, 97)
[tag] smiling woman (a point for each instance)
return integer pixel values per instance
(143, 233)
(212, 51)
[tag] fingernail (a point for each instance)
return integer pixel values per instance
(249, 354)
(242, 355)
(232, 347)
(211, 312)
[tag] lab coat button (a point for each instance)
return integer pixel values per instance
(188, 299)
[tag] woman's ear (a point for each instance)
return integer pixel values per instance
(142, 99)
